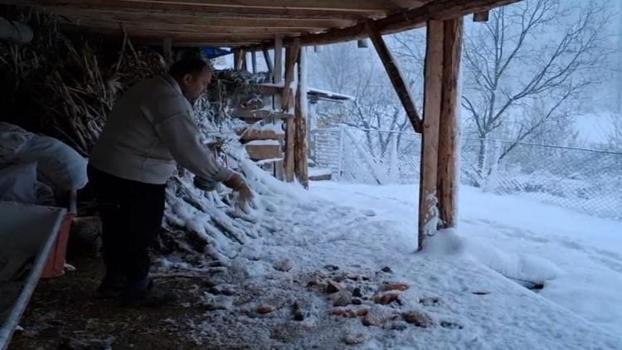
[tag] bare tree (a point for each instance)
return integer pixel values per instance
(615, 133)
(376, 110)
(525, 65)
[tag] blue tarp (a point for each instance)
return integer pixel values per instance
(213, 52)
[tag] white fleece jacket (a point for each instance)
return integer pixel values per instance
(149, 129)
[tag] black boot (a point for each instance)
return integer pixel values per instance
(111, 286)
(143, 293)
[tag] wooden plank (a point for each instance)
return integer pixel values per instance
(481, 16)
(105, 23)
(189, 43)
(259, 5)
(261, 152)
(269, 90)
(351, 9)
(300, 123)
(428, 211)
(286, 105)
(179, 37)
(181, 32)
(395, 75)
(326, 9)
(259, 114)
(201, 18)
(449, 133)
(248, 135)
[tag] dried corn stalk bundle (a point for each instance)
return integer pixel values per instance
(61, 87)
(65, 88)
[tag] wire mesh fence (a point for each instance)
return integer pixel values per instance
(589, 181)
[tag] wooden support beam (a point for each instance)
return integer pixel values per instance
(239, 58)
(481, 16)
(344, 9)
(236, 58)
(300, 121)
(278, 59)
(234, 20)
(428, 210)
(395, 75)
(93, 21)
(448, 152)
(254, 61)
(277, 76)
(256, 115)
(268, 60)
(244, 59)
(291, 57)
(287, 103)
(167, 50)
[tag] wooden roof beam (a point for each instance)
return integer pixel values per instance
(311, 5)
(434, 10)
(210, 19)
(306, 9)
(196, 29)
(181, 38)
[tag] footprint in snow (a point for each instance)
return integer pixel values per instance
(451, 325)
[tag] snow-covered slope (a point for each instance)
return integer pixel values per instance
(363, 237)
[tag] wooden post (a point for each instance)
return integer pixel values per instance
(245, 60)
(399, 84)
(287, 104)
(449, 124)
(291, 57)
(254, 61)
(167, 50)
(428, 211)
(239, 58)
(277, 67)
(278, 59)
(301, 142)
(266, 57)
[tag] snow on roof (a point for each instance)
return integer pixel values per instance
(325, 94)
(317, 94)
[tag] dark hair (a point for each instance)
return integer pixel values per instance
(188, 65)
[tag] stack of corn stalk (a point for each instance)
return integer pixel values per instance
(65, 87)
(58, 86)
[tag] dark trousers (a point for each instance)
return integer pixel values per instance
(131, 214)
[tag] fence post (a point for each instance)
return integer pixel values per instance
(340, 159)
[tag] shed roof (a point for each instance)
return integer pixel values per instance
(236, 23)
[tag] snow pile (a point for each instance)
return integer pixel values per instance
(444, 243)
(519, 267)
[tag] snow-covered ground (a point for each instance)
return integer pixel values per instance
(579, 257)
(365, 236)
